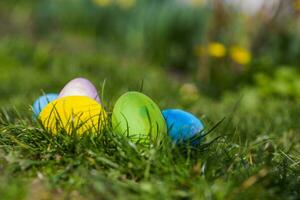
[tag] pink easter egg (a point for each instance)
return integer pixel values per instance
(80, 87)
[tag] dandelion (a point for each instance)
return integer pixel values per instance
(240, 55)
(297, 5)
(216, 49)
(198, 3)
(126, 4)
(103, 3)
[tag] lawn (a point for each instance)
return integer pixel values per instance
(251, 150)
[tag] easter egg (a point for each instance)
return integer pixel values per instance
(80, 87)
(137, 116)
(182, 125)
(77, 114)
(42, 102)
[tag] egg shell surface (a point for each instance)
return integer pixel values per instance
(42, 102)
(182, 125)
(80, 87)
(138, 116)
(78, 114)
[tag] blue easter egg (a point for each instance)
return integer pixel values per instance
(182, 125)
(42, 102)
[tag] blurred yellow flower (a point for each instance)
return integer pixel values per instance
(103, 3)
(240, 55)
(198, 2)
(126, 4)
(216, 49)
(297, 5)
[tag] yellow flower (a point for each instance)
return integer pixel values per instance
(126, 4)
(103, 3)
(216, 49)
(198, 2)
(297, 5)
(240, 55)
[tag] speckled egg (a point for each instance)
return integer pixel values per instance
(137, 116)
(182, 125)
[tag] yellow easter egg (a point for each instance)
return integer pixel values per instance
(78, 114)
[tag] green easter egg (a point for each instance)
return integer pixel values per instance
(137, 116)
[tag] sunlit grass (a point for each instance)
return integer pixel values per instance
(245, 153)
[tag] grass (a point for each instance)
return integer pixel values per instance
(252, 154)
(255, 156)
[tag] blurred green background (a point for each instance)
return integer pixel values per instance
(193, 46)
(237, 59)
